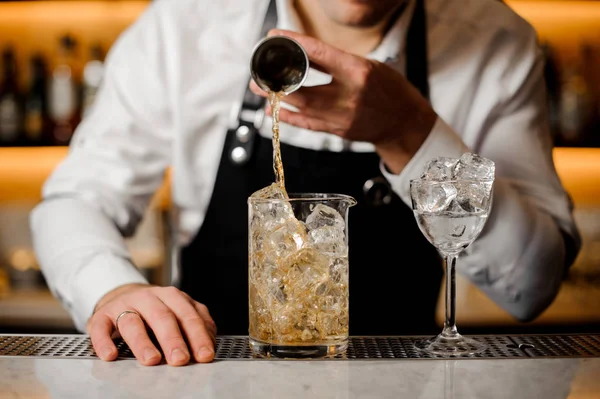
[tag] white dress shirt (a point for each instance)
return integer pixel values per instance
(173, 77)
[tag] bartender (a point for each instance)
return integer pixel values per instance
(394, 84)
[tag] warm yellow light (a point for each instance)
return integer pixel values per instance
(23, 171)
(579, 171)
(566, 24)
(36, 26)
(79, 12)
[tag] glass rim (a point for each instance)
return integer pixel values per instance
(315, 197)
(420, 180)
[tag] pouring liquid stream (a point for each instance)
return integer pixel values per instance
(275, 103)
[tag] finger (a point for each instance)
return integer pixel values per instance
(100, 330)
(133, 331)
(199, 338)
(312, 100)
(204, 313)
(256, 89)
(260, 92)
(303, 121)
(164, 324)
(328, 58)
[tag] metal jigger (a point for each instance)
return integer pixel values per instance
(279, 64)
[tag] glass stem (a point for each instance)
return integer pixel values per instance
(450, 323)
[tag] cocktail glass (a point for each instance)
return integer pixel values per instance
(451, 214)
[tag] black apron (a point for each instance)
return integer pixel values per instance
(395, 273)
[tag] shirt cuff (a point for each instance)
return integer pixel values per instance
(441, 142)
(101, 275)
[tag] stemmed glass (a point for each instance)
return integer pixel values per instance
(451, 214)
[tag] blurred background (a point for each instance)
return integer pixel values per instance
(51, 63)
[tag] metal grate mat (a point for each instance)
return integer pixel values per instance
(359, 348)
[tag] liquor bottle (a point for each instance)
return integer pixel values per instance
(575, 105)
(36, 109)
(93, 73)
(11, 113)
(552, 77)
(590, 55)
(63, 93)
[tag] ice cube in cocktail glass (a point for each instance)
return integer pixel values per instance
(298, 273)
(451, 202)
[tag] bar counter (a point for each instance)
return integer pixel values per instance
(463, 378)
(561, 367)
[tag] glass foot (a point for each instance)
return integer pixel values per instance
(262, 349)
(450, 345)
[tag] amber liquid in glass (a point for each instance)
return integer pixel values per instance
(298, 283)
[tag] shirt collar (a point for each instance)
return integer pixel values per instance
(391, 47)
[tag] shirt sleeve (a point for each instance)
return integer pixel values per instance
(116, 161)
(521, 255)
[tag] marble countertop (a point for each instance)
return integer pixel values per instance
(26, 377)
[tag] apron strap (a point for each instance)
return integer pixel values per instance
(416, 50)
(377, 190)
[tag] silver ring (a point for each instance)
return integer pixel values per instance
(123, 314)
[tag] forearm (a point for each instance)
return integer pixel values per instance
(440, 142)
(416, 120)
(519, 259)
(81, 254)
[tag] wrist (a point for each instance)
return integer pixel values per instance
(398, 149)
